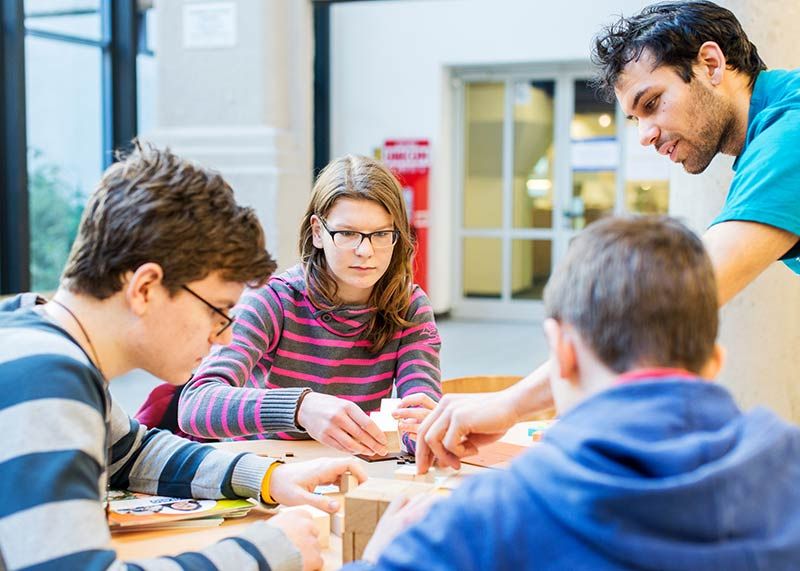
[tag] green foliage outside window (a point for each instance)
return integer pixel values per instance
(55, 212)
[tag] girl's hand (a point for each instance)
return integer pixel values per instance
(293, 484)
(412, 411)
(340, 424)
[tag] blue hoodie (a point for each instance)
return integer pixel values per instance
(664, 475)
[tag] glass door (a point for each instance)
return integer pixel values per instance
(539, 158)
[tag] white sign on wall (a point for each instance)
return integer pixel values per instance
(209, 25)
(595, 154)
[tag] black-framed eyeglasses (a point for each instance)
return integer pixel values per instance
(353, 238)
(228, 319)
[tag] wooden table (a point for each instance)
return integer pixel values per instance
(144, 544)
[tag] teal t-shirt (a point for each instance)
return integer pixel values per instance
(766, 183)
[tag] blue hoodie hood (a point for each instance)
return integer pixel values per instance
(670, 475)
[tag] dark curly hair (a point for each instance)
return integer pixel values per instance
(673, 33)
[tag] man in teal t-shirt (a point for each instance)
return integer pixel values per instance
(766, 186)
(686, 72)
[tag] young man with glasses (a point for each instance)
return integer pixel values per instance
(163, 253)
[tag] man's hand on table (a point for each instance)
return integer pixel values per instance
(293, 484)
(401, 513)
(340, 424)
(459, 426)
(301, 531)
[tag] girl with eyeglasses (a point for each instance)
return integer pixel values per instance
(321, 344)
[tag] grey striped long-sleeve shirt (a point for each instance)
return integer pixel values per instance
(63, 439)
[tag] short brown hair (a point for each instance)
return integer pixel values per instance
(153, 206)
(362, 178)
(640, 291)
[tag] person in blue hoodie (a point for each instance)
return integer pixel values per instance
(652, 466)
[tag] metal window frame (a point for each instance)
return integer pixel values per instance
(120, 29)
(14, 226)
(119, 48)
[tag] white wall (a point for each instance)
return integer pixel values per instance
(244, 109)
(390, 77)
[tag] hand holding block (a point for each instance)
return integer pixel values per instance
(388, 425)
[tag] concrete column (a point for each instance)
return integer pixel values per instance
(245, 108)
(761, 326)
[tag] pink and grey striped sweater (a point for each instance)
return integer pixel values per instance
(283, 344)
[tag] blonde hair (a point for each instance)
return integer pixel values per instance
(361, 178)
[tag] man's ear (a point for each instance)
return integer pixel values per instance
(715, 362)
(142, 286)
(316, 231)
(562, 349)
(711, 62)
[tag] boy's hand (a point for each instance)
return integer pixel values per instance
(400, 514)
(340, 424)
(301, 531)
(294, 484)
(412, 411)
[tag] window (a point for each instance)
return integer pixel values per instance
(539, 157)
(73, 88)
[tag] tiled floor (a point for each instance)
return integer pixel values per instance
(468, 348)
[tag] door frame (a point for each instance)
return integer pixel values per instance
(564, 75)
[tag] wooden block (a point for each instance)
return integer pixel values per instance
(348, 547)
(388, 406)
(409, 472)
(322, 521)
(388, 425)
(359, 515)
(353, 546)
(392, 440)
(360, 541)
(347, 482)
(364, 506)
(384, 420)
(337, 524)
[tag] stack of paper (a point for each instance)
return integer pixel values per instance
(131, 511)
